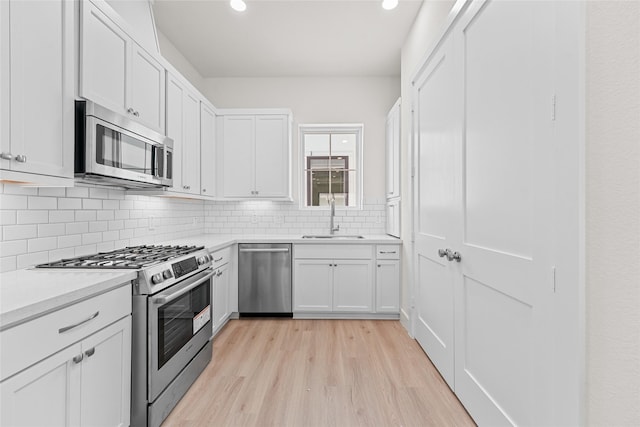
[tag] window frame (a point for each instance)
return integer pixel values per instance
(357, 165)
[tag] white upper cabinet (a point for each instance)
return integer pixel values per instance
(175, 109)
(393, 151)
(254, 157)
(117, 73)
(36, 75)
(207, 150)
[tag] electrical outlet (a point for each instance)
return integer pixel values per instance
(254, 218)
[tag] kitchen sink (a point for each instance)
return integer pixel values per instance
(332, 236)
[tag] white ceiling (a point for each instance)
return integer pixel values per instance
(288, 37)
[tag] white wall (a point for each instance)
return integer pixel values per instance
(613, 212)
(175, 58)
(321, 100)
(426, 29)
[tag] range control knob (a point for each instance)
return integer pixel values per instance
(203, 259)
(157, 278)
(167, 274)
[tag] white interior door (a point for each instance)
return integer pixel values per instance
(435, 204)
(503, 283)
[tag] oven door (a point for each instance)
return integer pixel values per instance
(179, 326)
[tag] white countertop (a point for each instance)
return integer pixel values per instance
(29, 293)
(26, 294)
(216, 241)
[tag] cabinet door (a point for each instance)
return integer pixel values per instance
(48, 393)
(147, 88)
(104, 60)
(238, 154)
(388, 286)
(272, 156)
(220, 296)
(312, 287)
(41, 79)
(208, 150)
(352, 286)
(106, 376)
(393, 217)
(175, 127)
(393, 151)
(191, 144)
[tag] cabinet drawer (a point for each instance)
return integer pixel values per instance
(387, 252)
(221, 257)
(32, 341)
(343, 251)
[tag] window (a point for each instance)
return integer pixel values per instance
(331, 165)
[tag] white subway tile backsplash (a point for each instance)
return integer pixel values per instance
(32, 217)
(91, 204)
(46, 230)
(17, 232)
(11, 201)
(41, 225)
(61, 216)
(42, 244)
(36, 202)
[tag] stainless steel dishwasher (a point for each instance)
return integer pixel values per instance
(264, 279)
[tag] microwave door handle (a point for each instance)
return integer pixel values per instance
(165, 298)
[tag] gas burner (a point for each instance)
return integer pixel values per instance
(131, 257)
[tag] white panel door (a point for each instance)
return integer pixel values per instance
(238, 155)
(191, 144)
(175, 127)
(272, 156)
(352, 285)
(41, 74)
(313, 285)
(147, 89)
(46, 394)
(503, 285)
(208, 150)
(436, 205)
(220, 296)
(104, 60)
(106, 376)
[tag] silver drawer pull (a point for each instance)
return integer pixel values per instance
(78, 358)
(265, 250)
(218, 259)
(6, 156)
(82, 322)
(387, 252)
(90, 352)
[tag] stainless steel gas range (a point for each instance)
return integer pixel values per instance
(171, 322)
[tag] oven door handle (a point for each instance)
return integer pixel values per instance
(165, 298)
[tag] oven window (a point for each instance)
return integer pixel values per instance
(121, 151)
(175, 321)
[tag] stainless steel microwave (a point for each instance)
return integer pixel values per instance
(111, 149)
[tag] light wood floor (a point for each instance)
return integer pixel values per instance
(285, 372)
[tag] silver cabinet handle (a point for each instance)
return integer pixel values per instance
(21, 158)
(137, 114)
(204, 190)
(456, 257)
(90, 352)
(220, 259)
(82, 322)
(265, 250)
(163, 298)
(442, 252)
(387, 252)
(130, 110)
(6, 156)
(78, 358)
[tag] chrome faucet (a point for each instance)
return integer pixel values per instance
(332, 203)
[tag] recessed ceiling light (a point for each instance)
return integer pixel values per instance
(241, 6)
(389, 4)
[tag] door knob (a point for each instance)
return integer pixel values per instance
(442, 252)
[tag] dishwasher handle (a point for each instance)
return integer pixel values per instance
(264, 250)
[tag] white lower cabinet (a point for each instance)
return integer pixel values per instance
(222, 288)
(346, 283)
(86, 383)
